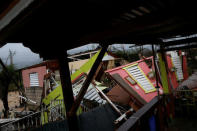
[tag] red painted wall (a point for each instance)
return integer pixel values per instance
(185, 72)
(146, 96)
(41, 72)
(172, 75)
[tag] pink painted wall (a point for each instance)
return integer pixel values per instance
(41, 72)
(172, 75)
(185, 71)
(146, 96)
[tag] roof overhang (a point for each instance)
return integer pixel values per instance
(48, 26)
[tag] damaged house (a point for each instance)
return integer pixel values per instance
(33, 80)
(135, 83)
(51, 28)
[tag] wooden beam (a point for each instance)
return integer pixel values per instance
(179, 48)
(139, 115)
(179, 42)
(81, 54)
(156, 70)
(67, 90)
(87, 82)
(154, 62)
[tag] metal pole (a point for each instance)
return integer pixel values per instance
(88, 80)
(156, 75)
(67, 89)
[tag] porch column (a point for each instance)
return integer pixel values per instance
(67, 90)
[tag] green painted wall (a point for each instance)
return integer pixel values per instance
(164, 76)
(57, 92)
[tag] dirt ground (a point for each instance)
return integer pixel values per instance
(13, 101)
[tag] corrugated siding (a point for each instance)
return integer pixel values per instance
(91, 93)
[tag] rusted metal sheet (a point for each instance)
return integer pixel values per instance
(119, 95)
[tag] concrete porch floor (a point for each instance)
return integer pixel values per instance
(185, 119)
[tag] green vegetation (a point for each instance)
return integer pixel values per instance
(6, 80)
(6, 84)
(132, 54)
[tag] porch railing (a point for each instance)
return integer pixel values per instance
(140, 119)
(54, 112)
(29, 121)
(186, 97)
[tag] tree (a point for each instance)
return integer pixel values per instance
(132, 54)
(129, 55)
(5, 82)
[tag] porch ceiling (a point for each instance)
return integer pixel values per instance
(47, 26)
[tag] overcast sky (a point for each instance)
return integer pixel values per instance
(25, 57)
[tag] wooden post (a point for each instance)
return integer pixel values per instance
(156, 71)
(88, 80)
(171, 90)
(67, 90)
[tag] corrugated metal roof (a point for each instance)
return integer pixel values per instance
(91, 94)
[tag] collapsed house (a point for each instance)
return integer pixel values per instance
(109, 61)
(133, 87)
(94, 95)
(38, 23)
(177, 65)
(136, 80)
(33, 81)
